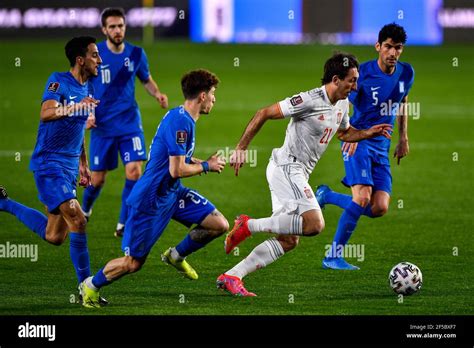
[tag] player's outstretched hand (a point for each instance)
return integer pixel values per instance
(401, 150)
(216, 163)
(349, 148)
(237, 160)
(85, 176)
(163, 100)
(380, 129)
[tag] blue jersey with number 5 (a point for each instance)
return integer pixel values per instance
(378, 97)
(117, 113)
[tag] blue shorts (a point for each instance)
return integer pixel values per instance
(104, 150)
(142, 230)
(55, 186)
(368, 166)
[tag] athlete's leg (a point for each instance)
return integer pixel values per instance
(133, 154)
(103, 157)
(133, 171)
(76, 221)
(379, 203)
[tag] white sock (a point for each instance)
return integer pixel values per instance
(262, 255)
(90, 284)
(120, 226)
(88, 213)
(281, 224)
(175, 255)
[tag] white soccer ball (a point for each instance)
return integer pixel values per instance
(405, 278)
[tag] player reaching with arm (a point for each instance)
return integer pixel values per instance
(159, 195)
(117, 128)
(60, 155)
(382, 95)
(315, 116)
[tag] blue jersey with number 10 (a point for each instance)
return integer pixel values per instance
(174, 137)
(117, 113)
(378, 98)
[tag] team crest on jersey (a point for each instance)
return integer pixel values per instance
(321, 118)
(53, 87)
(181, 137)
(308, 193)
(296, 100)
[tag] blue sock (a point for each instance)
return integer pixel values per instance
(79, 255)
(31, 218)
(99, 279)
(339, 199)
(346, 226)
(125, 193)
(90, 195)
(343, 201)
(188, 246)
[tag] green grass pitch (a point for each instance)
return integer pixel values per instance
(430, 222)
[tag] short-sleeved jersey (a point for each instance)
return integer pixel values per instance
(378, 97)
(59, 142)
(174, 137)
(117, 113)
(314, 121)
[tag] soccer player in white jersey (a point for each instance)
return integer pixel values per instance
(315, 116)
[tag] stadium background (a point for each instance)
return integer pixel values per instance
(262, 51)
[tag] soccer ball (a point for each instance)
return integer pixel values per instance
(405, 278)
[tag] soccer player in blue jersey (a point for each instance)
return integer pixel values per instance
(159, 195)
(382, 95)
(117, 128)
(60, 155)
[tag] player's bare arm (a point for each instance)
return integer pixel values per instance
(347, 147)
(84, 171)
(352, 134)
(402, 148)
(152, 89)
(180, 169)
(272, 112)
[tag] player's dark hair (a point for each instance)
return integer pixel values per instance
(77, 46)
(111, 12)
(339, 64)
(197, 81)
(394, 32)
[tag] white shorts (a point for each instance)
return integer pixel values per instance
(291, 193)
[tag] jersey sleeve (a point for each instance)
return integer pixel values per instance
(345, 118)
(54, 89)
(143, 72)
(297, 105)
(176, 137)
(410, 83)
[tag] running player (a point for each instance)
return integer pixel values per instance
(117, 128)
(60, 155)
(316, 115)
(159, 195)
(384, 84)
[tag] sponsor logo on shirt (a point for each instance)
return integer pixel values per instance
(296, 100)
(339, 117)
(53, 87)
(181, 137)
